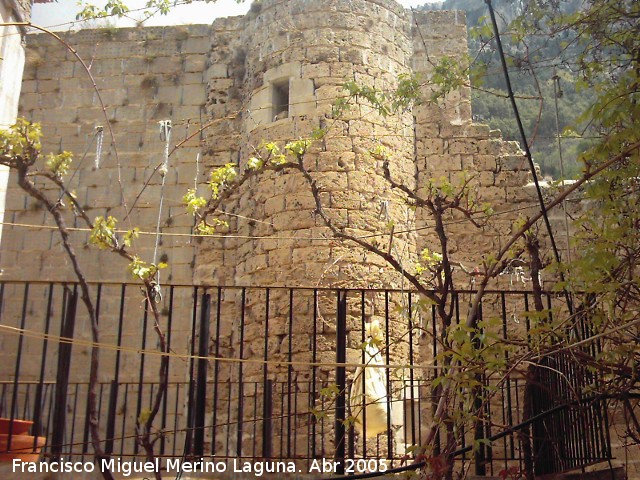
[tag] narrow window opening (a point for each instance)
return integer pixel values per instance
(280, 99)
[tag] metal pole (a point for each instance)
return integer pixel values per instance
(62, 378)
(341, 357)
(201, 382)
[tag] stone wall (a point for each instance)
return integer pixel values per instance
(223, 76)
(230, 79)
(142, 76)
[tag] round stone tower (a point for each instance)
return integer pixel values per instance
(299, 55)
(286, 65)
(296, 55)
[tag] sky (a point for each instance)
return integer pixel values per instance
(61, 14)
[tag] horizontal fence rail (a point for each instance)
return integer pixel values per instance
(276, 373)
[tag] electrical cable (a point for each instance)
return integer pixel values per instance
(527, 151)
(165, 135)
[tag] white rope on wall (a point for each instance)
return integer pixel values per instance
(99, 137)
(165, 135)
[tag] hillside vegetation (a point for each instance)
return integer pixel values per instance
(535, 64)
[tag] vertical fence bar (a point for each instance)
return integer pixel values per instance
(37, 412)
(111, 417)
(388, 376)
(281, 417)
(62, 378)
(113, 392)
(124, 419)
(268, 389)
(351, 443)
(175, 419)
(519, 418)
(201, 380)
(16, 371)
(605, 432)
(143, 346)
(188, 439)
(480, 453)
(254, 396)
(25, 407)
(240, 382)
(87, 417)
(363, 360)
(165, 400)
(228, 422)
(412, 362)
(216, 373)
(289, 372)
(51, 389)
(435, 391)
(581, 426)
(566, 416)
(267, 414)
(341, 358)
(505, 334)
(314, 368)
(74, 415)
(295, 423)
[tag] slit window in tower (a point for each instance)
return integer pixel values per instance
(280, 99)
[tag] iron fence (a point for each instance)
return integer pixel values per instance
(272, 373)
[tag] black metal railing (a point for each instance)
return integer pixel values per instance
(260, 373)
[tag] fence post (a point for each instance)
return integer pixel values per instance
(16, 374)
(40, 390)
(267, 412)
(188, 438)
(111, 418)
(201, 382)
(480, 453)
(62, 378)
(341, 358)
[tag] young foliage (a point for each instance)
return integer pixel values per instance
(20, 144)
(59, 164)
(103, 234)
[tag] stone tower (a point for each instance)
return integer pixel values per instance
(297, 56)
(289, 62)
(278, 71)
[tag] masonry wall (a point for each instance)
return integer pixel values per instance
(222, 77)
(143, 76)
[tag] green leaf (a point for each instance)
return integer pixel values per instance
(193, 202)
(255, 163)
(130, 236)
(298, 147)
(103, 234)
(221, 177)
